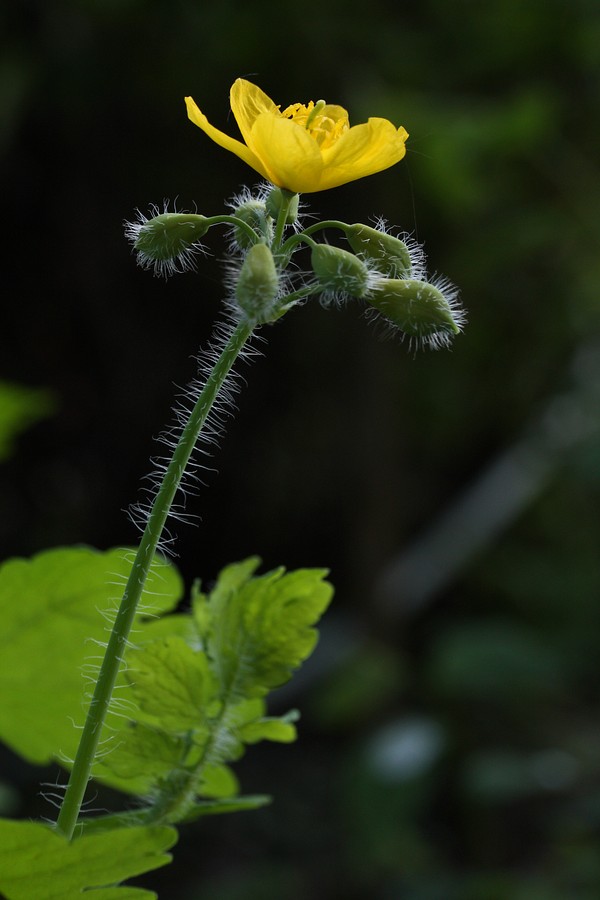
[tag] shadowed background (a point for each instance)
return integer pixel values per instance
(449, 743)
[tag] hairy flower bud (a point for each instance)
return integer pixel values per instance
(340, 272)
(253, 213)
(391, 255)
(275, 201)
(167, 242)
(419, 309)
(257, 285)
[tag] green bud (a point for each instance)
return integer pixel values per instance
(417, 308)
(167, 237)
(390, 254)
(275, 201)
(254, 214)
(258, 285)
(339, 271)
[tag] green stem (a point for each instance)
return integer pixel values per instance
(286, 197)
(304, 236)
(293, 241)
(117, 643)
(239, 223)
(308, 291)
(328, 223)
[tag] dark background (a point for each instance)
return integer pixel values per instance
(450, 739)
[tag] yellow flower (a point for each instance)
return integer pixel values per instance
(304, 148)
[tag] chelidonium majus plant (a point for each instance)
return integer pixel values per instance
(175, 698)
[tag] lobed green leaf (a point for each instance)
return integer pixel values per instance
(258, 630)
(227, 805)
(140, 758)
(36, 863)
(198, 683)
(172, 684)
(271, 728)
(194, 683)
(218, 781)
(52, 610)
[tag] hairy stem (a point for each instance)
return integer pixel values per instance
(117, 643)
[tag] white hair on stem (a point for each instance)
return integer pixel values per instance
(214, 426)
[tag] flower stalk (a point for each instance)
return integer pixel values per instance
(88, 745)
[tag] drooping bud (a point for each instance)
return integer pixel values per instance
(419, 309)
(167, 242)
(257, 285)
(391, 255)
(340, 272)
(275, 200)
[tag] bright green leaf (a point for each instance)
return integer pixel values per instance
(230, 581)
(176, 625)
(270, 729)
(226, 805)
(142, 755)
(171, 684)
(244, 711)
(38, 864)
(51, 621)
(248, 723)
(218, 781)
(258, 630)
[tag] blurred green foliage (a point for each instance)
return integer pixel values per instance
(19, 408)
(345, 447)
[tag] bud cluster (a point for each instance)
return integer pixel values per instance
(389, 274)
(259, 210)
(386, 272)
(255, 275)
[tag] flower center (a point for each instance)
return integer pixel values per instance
(324, 123)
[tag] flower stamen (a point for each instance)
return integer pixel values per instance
(314, 113)
(323, 128)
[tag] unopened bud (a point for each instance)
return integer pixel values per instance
(258, 285)
(167, 242)
(254, 214)
(418, 309)
(170, 234)
(275, 200)
(340, 272)
(391, 255)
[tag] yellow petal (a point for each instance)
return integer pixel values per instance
(247, 103)
(335, 112)
(289, 154)
(363, 150)
(223, 140)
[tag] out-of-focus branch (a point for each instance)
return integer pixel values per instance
(497, 496)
